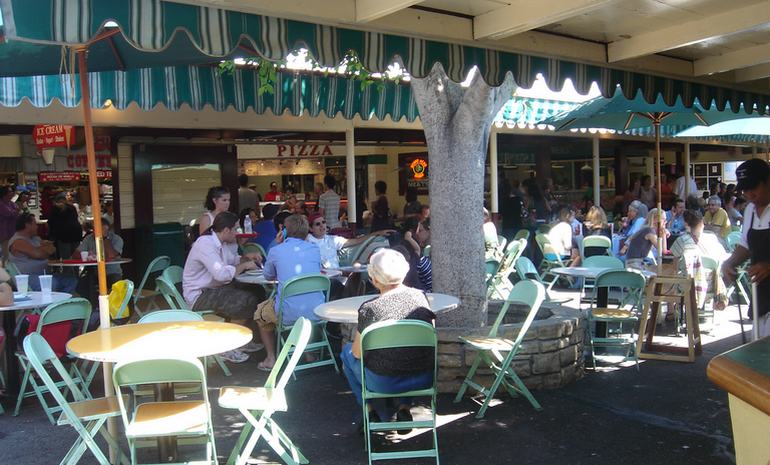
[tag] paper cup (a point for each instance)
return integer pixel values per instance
(22, 283)
(46, 282)
(84, 256)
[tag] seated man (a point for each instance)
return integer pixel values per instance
(392, 370)
(292, 256)
(208, 279)
(30, 255)
(716, 219)
(330, 244)
(113, 247)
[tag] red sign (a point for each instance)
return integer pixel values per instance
(53, 176)
(80, 160)
(53, 135)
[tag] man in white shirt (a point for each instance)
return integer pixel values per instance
(330, 244)
(208, 279)
(754, 180)
(329, 203)
(679, 188)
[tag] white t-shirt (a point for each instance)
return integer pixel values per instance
(560, 236)
(679, 188)
(753, 221)
(329, 245)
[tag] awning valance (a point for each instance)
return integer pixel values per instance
(154, 32)
(201, 86)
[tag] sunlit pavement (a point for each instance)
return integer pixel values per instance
(665, 413)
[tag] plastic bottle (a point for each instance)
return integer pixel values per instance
(247, 225)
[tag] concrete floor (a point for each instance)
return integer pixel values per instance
(665, 413)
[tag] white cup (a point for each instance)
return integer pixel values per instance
(84, 256)
(22, 283)
(46, 282)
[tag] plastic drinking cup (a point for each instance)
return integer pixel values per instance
(84, 256)
(22, 283)
(46, 282)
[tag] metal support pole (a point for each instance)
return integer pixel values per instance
(597, 182)
(494, 201)
(755, 313)
(687, 176)
(350, 161)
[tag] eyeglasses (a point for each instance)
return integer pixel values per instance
(318, 223)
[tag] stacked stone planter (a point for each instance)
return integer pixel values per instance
(551, 355)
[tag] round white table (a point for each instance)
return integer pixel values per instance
(350, 269)
(35, 300)
(346, 310)
(77, 262)
(592, 272)
(258, 277)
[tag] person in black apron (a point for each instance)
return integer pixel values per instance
(754, 180)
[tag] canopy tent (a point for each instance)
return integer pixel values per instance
(155, 32)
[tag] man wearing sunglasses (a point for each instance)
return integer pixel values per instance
(330, 244)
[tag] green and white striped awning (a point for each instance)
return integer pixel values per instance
(202, 86)
(162, 33)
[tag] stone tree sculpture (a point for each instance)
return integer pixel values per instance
(457, 121)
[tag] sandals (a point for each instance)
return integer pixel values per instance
(262, 366)
(235, 356)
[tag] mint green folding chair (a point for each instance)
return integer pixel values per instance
(599, 261)
(299, 285)
(522, 234)
(86, 416)
(397, 334)
(497, 353)
(596, 242)
(257, 404)
(141, 294)
(187, 419)
(621, 320)
(526, 270)
(499, 284)
(78, 312)
(550, 260)
(251, 247)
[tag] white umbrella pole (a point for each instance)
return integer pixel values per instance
(656, 124)
(755, 313)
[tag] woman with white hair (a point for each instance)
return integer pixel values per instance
(390, 370)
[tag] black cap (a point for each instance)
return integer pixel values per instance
(751, 173)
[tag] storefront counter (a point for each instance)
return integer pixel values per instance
(745, 374)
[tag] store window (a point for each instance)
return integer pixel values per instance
(178, 191)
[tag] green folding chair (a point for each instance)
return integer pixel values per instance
(251, 247)
(499, 284)
(599, 242)
(257, 404)
(621, 321)
(550, 260)
(168, 290)
(86, 416)
(299, 285)
(497, 353)
(599, 261)
(706, 312)
(526, 270)
(522, 234)
(733, 239)
(501, 243)
(397, 334)
(78, 312)
(187, 419)
(141, 294)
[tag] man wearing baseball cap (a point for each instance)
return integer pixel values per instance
(754, 180)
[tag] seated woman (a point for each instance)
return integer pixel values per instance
(595, 224)
(692, 245)
(416, 236)
(6, 299)
(391, 370)
(638, 246)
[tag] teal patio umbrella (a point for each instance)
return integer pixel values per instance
(621, 114)
(750, 130)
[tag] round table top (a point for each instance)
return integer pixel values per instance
(346, 310)
(257, 277)
(35, 300)
(349, 269)
(78, 262)
(153, 340)
(592, 272)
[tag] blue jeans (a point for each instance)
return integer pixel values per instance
(351, 366)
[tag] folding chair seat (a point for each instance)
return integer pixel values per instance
(186, 419)
(86, 416)
(632, 286)
(141, 294)
(299, 285)
(526, 270)
(522, 234)
(395, 334)
(76, 312)
(497, 353)
(257, 404)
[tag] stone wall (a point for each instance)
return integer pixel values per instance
(551, 355)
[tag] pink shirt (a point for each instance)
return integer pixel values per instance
(210, 264)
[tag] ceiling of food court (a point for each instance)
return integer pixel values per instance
(720, 40)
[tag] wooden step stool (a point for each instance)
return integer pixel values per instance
(674, 290)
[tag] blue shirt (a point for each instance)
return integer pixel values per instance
(266, 232)
(677, 225)
(292, 258)
(635, 226)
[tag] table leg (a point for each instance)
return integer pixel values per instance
(11, 363)
(167, 450)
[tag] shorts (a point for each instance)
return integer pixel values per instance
(234, 301)
(265, 315)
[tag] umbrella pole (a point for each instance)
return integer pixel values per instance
(93, 187)
(656, 124)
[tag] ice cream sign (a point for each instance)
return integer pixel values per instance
(53, 135)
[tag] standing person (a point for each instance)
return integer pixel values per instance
(217, 201)
(511, 207)
(679, 187)
(754, 180)
(666, 191)
(412, 206)
(8, 214)
(208, 279)
(647, 193)
(247, 198)
(329, 203)
(381, 217)
(274, 194)
(361, 202)
(64, 227)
